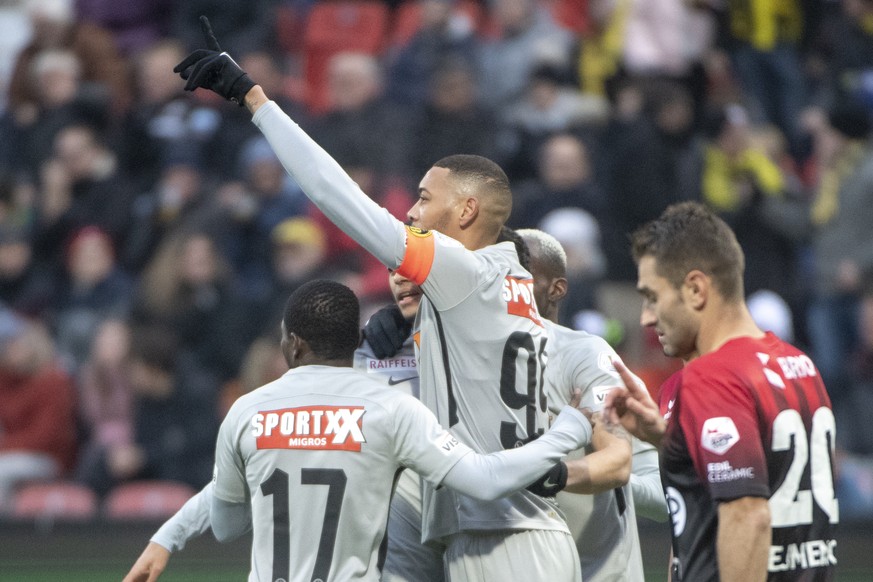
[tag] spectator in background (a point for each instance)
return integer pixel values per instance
(648, 154)
(178, 202)
(451, 120)
(579, 234)
(668, 39)
(857, 436)
(189, 286)
(37, 407)
(765, 49)
(299, 248)
(842, 242)
(175, 419)
(242, 27)
(263, 363)
(444, 34)
(565, 178)
(549, 105)
(748, 190)
(527, 36)
(26, 286)
(163, 115)
(61, 100)
(82, 185)
(848, 55)
(105, 398)
(55, 27)
(93, 288)
(254, 207)
(360, 121)
(134, 24)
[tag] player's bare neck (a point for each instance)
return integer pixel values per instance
(730, 321)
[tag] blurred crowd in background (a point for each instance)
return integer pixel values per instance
(149, 237)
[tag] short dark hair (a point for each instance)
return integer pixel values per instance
(325, 314)
(486, 177)
(509, 235)
(687, 236)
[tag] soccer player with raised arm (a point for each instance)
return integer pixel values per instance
(612, 480)
(747, 445)
(479, 339)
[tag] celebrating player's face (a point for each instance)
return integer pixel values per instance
(665, 311)
(407, 294)
(437, 202)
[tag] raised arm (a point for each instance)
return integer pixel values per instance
(319, 175)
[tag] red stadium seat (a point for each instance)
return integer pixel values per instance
(337, 26)
(54, 501)
(146, 500)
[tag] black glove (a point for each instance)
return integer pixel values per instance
(386, 331)
(553, 481)
(214, 70)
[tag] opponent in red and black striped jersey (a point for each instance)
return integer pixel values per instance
(751, 419)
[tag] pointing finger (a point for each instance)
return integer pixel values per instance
(628, 378)
(211, 41)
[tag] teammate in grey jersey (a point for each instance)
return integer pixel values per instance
(603, 521)
(308, 461)
(407, 558)
(480, 342)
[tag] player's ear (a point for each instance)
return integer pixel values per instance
(292, 346)
(558, 289)
(469, 211)
(695, 289)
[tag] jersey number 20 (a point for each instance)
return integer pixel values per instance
(789, 506)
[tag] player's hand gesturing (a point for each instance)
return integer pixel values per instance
(632, 407)
(213, 69)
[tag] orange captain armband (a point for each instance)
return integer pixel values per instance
(419, 255)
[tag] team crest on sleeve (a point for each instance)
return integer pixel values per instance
(419, 232)
(719, 434)
(604, 362)
(326, 428)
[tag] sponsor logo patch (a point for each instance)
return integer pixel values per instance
(519, 297)
(326, 428)
(723, 472)
(600, 394)
(398, 363)
(719, 434)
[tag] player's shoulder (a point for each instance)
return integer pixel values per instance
(582, 346)
(308, 385)
(565, 336)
